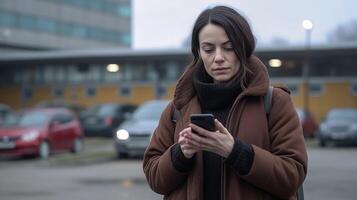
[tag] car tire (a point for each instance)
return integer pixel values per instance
(77, 146)
(44, 150)
(322, 143)
(122, 155)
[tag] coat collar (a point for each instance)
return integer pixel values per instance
(258, 82)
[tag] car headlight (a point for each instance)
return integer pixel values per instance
(122, 134)
(323, 127)
(32, 135)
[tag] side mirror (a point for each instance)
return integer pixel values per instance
(54, 124)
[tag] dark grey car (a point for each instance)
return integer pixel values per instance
(133, 135)
(103, 119)
(340, 126)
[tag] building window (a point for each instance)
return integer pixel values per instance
(125, 91)
(7, 19)
(172, 72)
(46, 25)
(79, 31)
(27, 22)
(124, 10)
(354, 89)
(95, 5)
(27, 93)
(58, 92)
(125, 38)
(91, 92)
(77, 2)
(151, 73)
(160, 91)
(294, 88)
(315, 89)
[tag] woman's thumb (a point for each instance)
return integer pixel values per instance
(219, 126)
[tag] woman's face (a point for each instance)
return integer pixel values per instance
(217, 53)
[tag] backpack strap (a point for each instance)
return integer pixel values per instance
(175, 116)
(267, 106)
(300, 193)
(268, 100)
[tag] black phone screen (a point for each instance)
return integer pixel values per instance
(205, 121)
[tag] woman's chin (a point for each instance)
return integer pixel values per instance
(222, 78)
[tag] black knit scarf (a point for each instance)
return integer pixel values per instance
(215, 97)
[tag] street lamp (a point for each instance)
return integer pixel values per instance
(307, 25)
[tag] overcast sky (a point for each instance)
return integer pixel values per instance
(166, 23)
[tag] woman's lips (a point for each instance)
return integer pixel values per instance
(221, 70)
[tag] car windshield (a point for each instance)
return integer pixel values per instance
(10, 120)
(35, 118)
(343, 115)
(151, 110)
(103, 110)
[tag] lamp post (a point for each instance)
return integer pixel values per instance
(307, 25)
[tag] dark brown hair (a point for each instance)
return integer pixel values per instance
(237, 29)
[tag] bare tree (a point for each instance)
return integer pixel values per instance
(279, 41)
(346, 32)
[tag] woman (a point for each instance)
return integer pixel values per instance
(251, 155)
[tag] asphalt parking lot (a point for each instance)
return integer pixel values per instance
(97, 174)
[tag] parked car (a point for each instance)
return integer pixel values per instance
(103, 119)
(39, 132)
(133, 136)
(74, 107)
(308, 123)
(340, 126)
(4, 112)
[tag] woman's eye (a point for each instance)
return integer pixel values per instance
(208, 50)
(228, 48)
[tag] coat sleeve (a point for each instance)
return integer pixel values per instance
(282, 170)
(160, 173)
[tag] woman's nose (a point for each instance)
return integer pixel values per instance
(218, 57)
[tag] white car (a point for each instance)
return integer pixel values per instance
(133, 135)
(340, 126)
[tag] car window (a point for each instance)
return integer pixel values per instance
(66, 118)
(103, 110)
(342, 115)
(128, 108)
(151, 110)
(107, 109)
(4, 112)
(11, 120)
(35, 118)
(62, 118)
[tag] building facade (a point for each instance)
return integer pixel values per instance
(89, 77)
(64, 24)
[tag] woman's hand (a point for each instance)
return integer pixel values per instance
(187, 149)
(220, 142)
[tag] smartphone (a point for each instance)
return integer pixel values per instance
(205, 121)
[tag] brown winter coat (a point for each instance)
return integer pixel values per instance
(280, 161)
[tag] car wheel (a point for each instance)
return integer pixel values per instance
(122, 155)
(44, 150)
(322, 143)
(77, 145)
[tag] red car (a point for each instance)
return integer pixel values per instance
(308, 123)
(40, 132)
